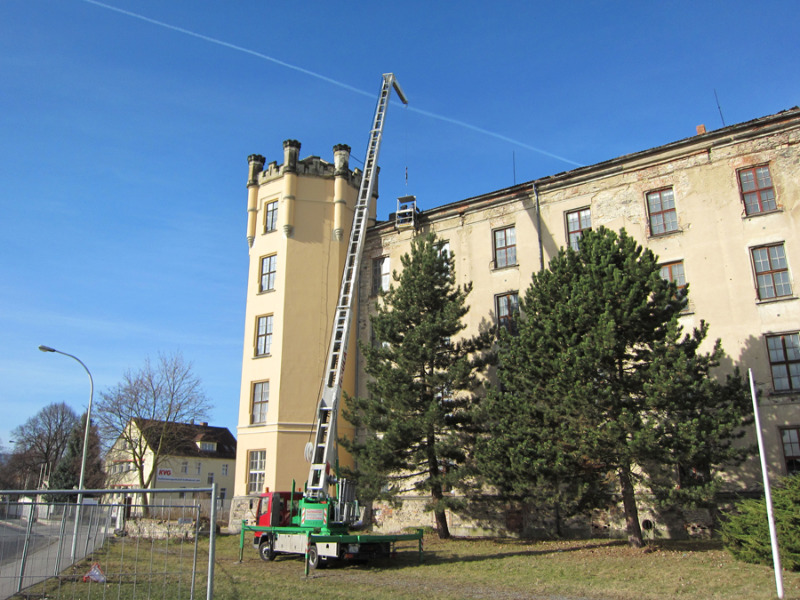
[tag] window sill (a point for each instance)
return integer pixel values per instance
(506, 267)
(784, 394)
(267, 232)
(762, 213)
(261, 356)
(773, 300)
(261, 292)
(666, 234)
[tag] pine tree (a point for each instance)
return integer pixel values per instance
(745, 533)
(599, 386)
(415, 422)
(66, 475)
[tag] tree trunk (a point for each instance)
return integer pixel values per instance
(436, 491)
(557, 515)
(632, 525)
(441, 524)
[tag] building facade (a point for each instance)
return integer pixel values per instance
(721, 210)
(194, 456)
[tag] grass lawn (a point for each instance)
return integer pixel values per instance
(503, 568)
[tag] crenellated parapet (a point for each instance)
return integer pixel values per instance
(288, 173)
(311, 166)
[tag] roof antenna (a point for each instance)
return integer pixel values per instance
(719, 108)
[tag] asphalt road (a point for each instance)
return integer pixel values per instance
(41, 556)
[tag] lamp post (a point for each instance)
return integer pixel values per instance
(85, 444)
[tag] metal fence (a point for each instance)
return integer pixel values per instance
(132, 549)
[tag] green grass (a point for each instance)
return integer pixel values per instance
(454, 569)
(591, 569)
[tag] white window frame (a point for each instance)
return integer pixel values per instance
(260, 388)
(256, 471)
(263, 341)
(269, 270)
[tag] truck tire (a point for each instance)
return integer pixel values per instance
(266, 550)
(313, 557)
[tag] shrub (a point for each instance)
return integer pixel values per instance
(745, 531)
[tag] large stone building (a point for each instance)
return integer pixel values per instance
(720, 209)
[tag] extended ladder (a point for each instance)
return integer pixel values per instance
(320, 452)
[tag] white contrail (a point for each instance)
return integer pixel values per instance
(324, 78)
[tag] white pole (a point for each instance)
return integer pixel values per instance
(85, 445)
(773, 535)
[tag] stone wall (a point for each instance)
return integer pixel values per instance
(491, 518)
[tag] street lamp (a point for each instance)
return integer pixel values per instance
(85, 444)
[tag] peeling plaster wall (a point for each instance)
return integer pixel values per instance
(714, 241)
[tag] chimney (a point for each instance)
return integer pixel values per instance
(291, 150)
(701, 129)
(341, 159)
(255, 166)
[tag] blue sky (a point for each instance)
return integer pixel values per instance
(125, 128)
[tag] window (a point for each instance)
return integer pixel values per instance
(578, 221)
(256, 463)
(208, 446)
(505, 247)
(791, 450)
(758, 195)
(381, 275)
(269, 265)
(772, 272)
(673, 272)
(784, 361)
(222, 493)
(264, 335)
(258, 411)
(661, 208)
(506, 305)
(225, 470)
(210, 479)
(271, 216)
(185, 467)
(198, 467)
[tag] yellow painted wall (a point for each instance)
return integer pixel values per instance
(309, 267)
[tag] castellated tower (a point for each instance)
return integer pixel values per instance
(299, 216)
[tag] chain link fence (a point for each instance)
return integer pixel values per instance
(147, 545)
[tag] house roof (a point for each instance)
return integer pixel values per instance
(185, 438)
(705, 140)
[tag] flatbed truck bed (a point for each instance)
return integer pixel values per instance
(318, 548)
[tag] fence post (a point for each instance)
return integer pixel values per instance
(212, 542)
(25, 547)
(57, 569)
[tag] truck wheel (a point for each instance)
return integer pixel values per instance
(265, 549)
(313, 557)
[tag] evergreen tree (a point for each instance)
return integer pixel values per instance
(598, 385)
(415, 423)
(66, 475)
(745, 533)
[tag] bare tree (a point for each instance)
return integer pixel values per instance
(40, 442)
(139, 419)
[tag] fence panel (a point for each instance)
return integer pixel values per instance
(133, 549)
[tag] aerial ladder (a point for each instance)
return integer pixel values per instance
(318, 523)
(322, 450)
